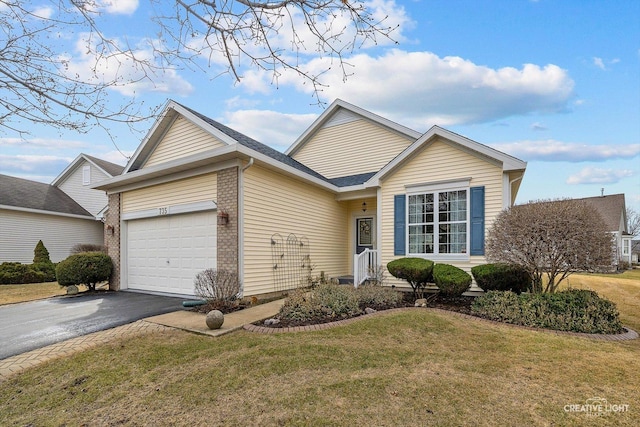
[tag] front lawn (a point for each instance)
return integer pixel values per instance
(417, 367)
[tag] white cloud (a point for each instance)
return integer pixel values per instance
(599, 63)
(550, 150)
(537, 126)
(259, 124)
(114, 156)
(43, 12)
(591, 175)
(119, 7)
(421, 89)
(25, 165)
(128, 77)
(40, 143)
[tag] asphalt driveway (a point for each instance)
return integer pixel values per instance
(31, 325)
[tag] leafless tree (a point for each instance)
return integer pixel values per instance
(633, 221)
(551, 239)
(38, 83)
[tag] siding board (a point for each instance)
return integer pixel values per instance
(350, 148)
(438, 162)
(22, 230)
(92, 200)
(182, 139)
(196, 189)
(274, 203)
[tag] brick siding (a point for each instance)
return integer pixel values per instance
(227, 241)
(112, 242)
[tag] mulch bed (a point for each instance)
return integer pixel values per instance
(457, 304)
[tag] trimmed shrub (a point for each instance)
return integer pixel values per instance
(79, 248)
(14, 273)
(41, 254)
(220, 288)
(374, 296)
(300, 305)
(417, 271)
(48, 269)
(336, 301)
(573, 310)
(451, 280)
(86, 268)
(502, 277)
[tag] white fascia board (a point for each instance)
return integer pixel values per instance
(159, 128)
(337, 104)
(170, 210)
(508, 163)
(347, 193)
(166, 117)
(42, 212)
(215, 132)
(194, 161)
(67, 171)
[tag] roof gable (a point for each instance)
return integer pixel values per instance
(109, 169)
(24, 194)
(507, 162)
(340, 112)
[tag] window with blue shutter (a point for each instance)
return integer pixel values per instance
(477, 221)
(399, 224)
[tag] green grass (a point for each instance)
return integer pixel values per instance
(418, 367)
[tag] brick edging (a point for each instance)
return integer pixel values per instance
(629, 334)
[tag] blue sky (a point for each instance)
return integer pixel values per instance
(555, 83)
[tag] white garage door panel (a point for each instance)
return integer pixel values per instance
(165, 253)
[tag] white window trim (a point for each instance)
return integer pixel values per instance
(86, 175)
(435, 189)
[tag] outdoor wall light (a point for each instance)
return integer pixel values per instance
(223, 218)
(110, 230)
(364, 206)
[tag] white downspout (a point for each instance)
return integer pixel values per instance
(241, 223)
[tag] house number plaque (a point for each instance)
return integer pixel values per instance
(163, 211)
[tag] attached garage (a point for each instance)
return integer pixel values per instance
(164, 253)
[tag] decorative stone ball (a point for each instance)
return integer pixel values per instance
(215, 319)
(72, 290)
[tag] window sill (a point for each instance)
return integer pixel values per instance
(442, 258)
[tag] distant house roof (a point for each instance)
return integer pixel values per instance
(111, 169)
(612, 209)
(24, 194)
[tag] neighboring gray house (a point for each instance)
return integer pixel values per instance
(614, 212)
(60, 214)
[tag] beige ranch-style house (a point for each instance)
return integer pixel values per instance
(355, 190)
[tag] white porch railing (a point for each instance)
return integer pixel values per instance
(364, 264)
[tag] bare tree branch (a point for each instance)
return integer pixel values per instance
(38, 82)
(551, 239)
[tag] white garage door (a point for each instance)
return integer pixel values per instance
(165, 253)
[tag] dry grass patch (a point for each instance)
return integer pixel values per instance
(623, 289)
(10, 294)
(414, 368)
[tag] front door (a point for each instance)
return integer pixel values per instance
(364, 233)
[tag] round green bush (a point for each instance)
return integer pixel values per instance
(86, 268)
(452, 281)
(502, 277)
(417, 271)
(14, 273)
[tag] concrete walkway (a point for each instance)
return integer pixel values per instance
(184, 320)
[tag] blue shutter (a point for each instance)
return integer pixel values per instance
(477, 221)
(399, 224)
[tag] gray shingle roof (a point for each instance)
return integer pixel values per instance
(110, 168)
(346, 181)
(610, 207)
(23, 193)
